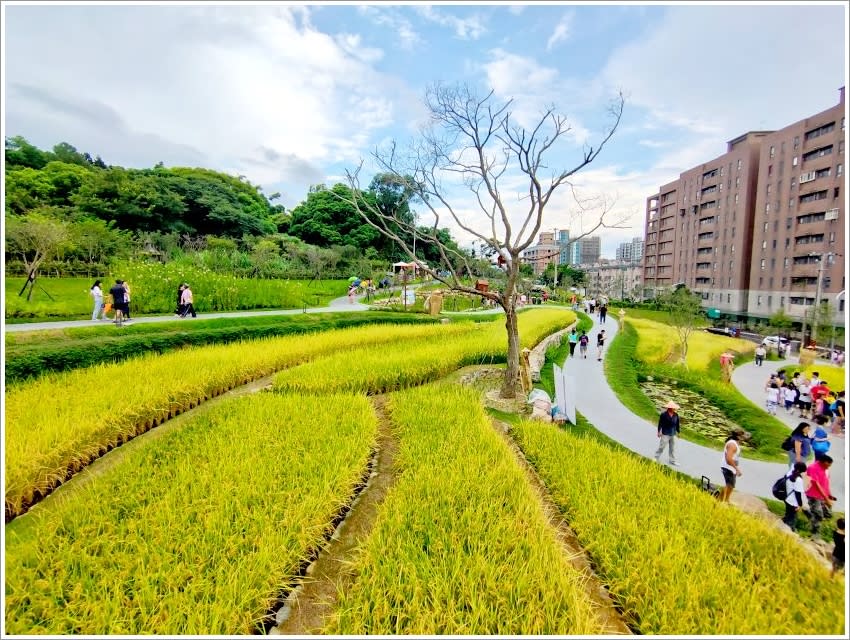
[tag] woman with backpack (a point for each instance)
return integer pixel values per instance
(582, 344)
(794, 488)
(799, 443)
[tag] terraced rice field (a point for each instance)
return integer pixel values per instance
(206, 529)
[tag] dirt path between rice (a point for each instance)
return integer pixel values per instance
(311, 603)
(611, 620)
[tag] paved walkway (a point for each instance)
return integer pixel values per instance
(597, 402)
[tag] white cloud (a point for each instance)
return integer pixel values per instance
(470, 28)
(534, 87)
(561, 32)
(407, 36)
(653, 144)
(721, 70)
(516, 9)
(206, 85)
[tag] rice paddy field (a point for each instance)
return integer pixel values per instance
(209, 527)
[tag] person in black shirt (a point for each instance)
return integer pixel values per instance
(600, 343)
(119, 301)
(668, 431)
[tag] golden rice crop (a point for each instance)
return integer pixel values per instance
(678, 561)
(196, 532)
(658, 342)
(57, 424)
(413, 362)
(461, 545)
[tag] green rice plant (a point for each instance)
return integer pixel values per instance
(57, 424)
(676, 560)
(461, 545)
(408, 363)
(196, 532)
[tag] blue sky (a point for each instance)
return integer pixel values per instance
(293, 95)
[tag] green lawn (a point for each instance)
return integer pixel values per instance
(69, 299)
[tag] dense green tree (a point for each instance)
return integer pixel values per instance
(20, 153)
(324, 220)
(34, 238)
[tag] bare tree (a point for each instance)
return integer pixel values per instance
(475, 141)
(35, 238)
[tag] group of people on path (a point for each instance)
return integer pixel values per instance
(811, 398)
(806, 483)
(119, 302)
(582, 340)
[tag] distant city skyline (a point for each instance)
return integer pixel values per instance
(290, 96)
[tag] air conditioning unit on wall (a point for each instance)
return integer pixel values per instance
(807, 177)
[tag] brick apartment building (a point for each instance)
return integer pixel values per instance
(747, 230)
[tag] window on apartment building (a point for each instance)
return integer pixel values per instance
(733, 228)
(772, 151)
(774, 243)
(731, 263)
(796, 144)
(768, 189)
(783, 281)
(785, 263)
(795, 159)
(787, 242)
(764, 228)
(778, 207)
(769, 300)
(839, 170)
(721, 171)
(767, 209)
(758, 301)
(793, 181)
(788, 222)
(841, 146)
(769, 170)
(790, 203)
(772, 267)
(835, 192)
(736, 198)
(832, 237)
(737, 182)
(762, 265)
(739, 164)
(782, 301)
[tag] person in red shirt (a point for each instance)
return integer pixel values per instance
(819, 494)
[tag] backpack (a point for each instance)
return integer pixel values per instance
(780, 489)
(788, 444)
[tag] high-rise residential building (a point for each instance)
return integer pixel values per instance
(798, 231)
(630, 251)
(563, 241)
(544, 253)
(585, 250)
(758, 228)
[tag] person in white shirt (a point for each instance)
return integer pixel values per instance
(97, 293)
(795, 488)
(772, 398)
(730, 467)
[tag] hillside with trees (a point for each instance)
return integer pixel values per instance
(69, 213)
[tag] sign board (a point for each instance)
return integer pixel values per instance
(713, 313)
(409, 296)
(565, 396)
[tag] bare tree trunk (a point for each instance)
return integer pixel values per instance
(512, 379)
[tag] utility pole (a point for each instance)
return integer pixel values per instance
(815, 318)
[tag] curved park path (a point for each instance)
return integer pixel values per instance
(598, 403)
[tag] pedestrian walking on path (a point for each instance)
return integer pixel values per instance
(668, 431)
(731, 465)
(573, 340)
(600, 344)
(794, 490)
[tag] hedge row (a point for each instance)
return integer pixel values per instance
(30, 361)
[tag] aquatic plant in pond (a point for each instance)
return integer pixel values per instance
(697, 414)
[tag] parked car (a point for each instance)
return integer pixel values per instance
(723, 331)
(773, 342)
